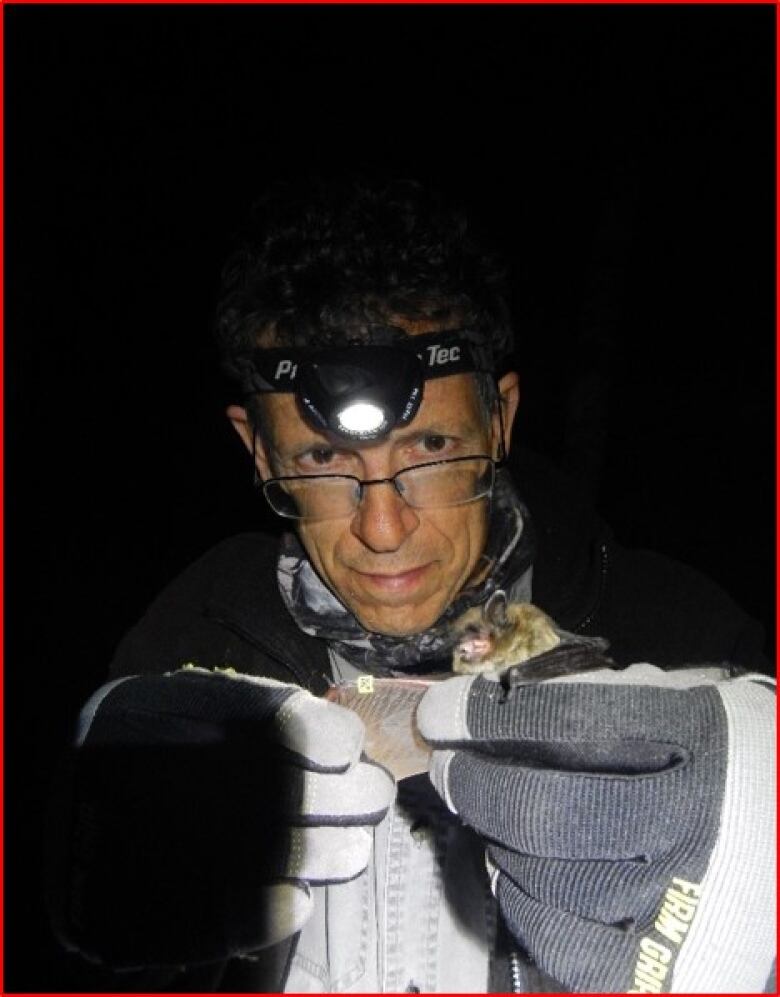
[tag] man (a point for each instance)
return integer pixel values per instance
(585, 823)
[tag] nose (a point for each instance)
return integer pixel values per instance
(383, 520)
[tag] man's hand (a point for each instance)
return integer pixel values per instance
(202, 806)
(629, 820)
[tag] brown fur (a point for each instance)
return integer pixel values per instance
(493, 637)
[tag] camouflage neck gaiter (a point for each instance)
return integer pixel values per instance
(505, 564)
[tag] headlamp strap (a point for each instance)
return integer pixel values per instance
(441, 354)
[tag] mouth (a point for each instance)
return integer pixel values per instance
(399, 582)
(474, 648)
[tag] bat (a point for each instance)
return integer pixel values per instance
(500, 634)
(521, 643)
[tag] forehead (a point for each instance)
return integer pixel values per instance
(447, 403)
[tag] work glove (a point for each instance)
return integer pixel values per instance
(628, 819)
(202, 808)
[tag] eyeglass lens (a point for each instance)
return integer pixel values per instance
(441, 485)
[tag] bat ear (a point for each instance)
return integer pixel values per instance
(494, 610)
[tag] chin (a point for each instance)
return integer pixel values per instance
(396, 624)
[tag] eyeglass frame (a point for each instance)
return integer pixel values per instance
(495, 463)
(362, 483)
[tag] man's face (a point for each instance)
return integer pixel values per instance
(396, 568)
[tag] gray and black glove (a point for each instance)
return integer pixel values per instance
(201, 806)
(629, 820)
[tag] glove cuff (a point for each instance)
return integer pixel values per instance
(731, 943)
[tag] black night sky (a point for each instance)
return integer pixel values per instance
(621, 156)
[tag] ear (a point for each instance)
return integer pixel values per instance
(251, 439)
(509, 397)
(494, 610)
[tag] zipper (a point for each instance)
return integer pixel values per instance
(592, 613)
(515, 972)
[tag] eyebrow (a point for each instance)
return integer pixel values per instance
(442, 426)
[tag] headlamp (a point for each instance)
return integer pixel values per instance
(364, 391)
(360, 392)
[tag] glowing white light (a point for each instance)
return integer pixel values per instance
(361, 417)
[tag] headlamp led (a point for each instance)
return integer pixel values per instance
(362, 417)
(362, 392)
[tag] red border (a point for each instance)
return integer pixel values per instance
(777, 408)
(391, 3)
(2, 487)
(343, 3)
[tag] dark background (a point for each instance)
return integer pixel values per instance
(621, 156)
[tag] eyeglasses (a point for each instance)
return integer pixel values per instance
(437, 485)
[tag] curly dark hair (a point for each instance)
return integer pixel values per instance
(321, 262)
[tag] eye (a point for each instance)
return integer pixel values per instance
(322, 459)
(434, 443)
(321, 456)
